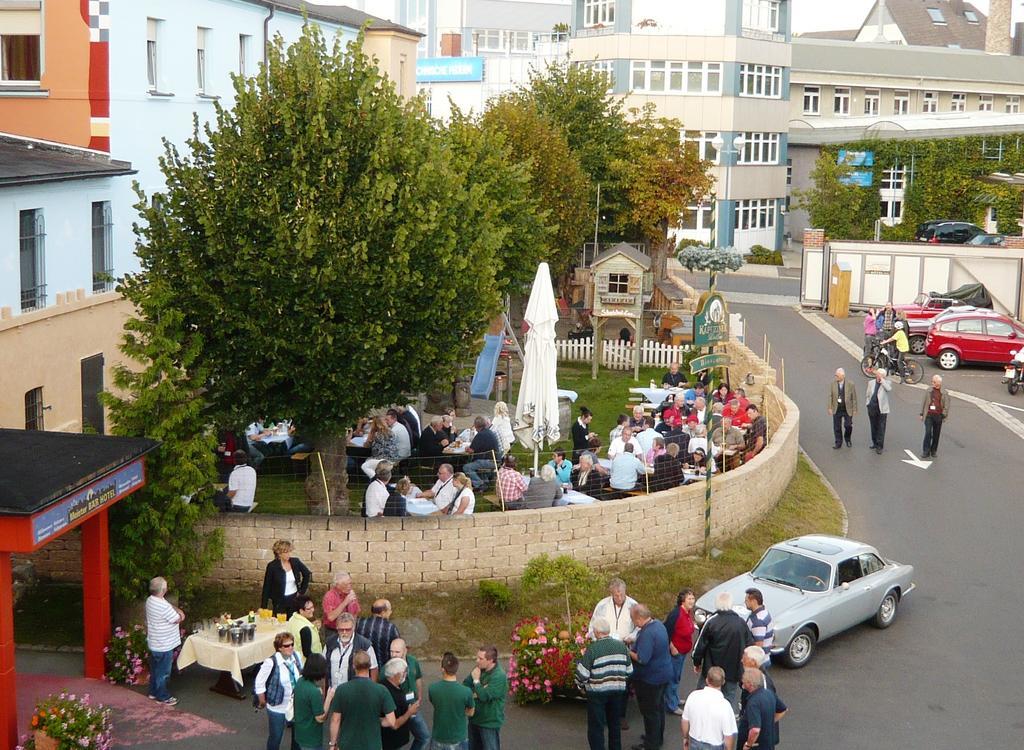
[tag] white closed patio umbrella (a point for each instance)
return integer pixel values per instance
(537, 408)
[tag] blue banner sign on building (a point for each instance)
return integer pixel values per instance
(450, 69)
(856, 158)
(103, 491)
(857, 178)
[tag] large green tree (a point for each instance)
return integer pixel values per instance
(557, 180)
(327, 243)
(843, 209)
(660, 178)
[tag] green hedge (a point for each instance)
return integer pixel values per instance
(761, 256)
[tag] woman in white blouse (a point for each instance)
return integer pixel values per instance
(501, 426)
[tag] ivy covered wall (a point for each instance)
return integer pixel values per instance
(940, 183)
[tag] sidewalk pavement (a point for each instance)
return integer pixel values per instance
(208, 721)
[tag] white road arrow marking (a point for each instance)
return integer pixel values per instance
(915, 461)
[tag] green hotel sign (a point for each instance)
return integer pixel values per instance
(708, 362)
(711, 323)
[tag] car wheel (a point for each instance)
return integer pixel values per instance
(886, 614)
(917, 344)
(949, 359)
(800, 648)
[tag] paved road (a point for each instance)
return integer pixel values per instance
(938, 678)
(983, 381)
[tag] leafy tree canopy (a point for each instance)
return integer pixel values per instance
(844, 210)
(323, 241)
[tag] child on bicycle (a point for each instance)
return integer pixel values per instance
(902, 345)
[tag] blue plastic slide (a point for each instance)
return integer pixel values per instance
(486, 367)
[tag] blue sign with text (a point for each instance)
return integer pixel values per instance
(451, 69)
(102, 492)
(857, 178)
(856, 158)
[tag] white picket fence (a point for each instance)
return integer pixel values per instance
(618, 355)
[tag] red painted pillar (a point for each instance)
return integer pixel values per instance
(96, 592)
(8, 678)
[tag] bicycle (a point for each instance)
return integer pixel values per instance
(880, 357)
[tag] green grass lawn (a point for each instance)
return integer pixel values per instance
(52, 613)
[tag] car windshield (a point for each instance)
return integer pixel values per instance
(792, 569)
(921, 299)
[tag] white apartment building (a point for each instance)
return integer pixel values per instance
(721, 67)
(473, 50)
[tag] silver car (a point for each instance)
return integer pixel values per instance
(815, 587)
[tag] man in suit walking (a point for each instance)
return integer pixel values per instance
(878, 407)
(934, 411)
(842, 407)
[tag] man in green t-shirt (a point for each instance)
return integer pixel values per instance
(311, 705)
(452, 703)
(360, 708)
(490, 686)
(413, 687)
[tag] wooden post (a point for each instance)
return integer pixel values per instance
(598, 326)
(639, 340)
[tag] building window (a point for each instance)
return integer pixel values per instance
(618, 283)
(958, 102)
(872, 100)
(901, 103)
(971, 16)
(892, 211)
(703, 141)
(930, 102)
(985, 102)
(519, 41)
(201, 59)
(598, 12)
(812, 100)
(243, 54)
(32, 238)
(894, 179)
(1013, 105)
(605, 67)
(762, 15)
(19, 58)
(760, 148)
(102, 247)
(152, 71)
(789, 171)
(697, 217)
(936, 15)
(760, 80)
(756, 213)
(841, 101)
(34, 409)
(676, 77)
(488, 40)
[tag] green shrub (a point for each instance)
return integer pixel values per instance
(580, 585)
(762, 256)
(496, 594)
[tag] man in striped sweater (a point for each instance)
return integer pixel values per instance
(601, 673)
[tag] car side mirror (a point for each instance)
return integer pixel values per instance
(844, 585)
(1013, 334)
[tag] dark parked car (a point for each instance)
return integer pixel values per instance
(983, 336)
(953, 232)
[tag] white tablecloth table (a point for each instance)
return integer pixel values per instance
(656, 395)
(574, 497)
(206, 650)
(417, 506)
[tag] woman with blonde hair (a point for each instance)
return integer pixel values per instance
(382, 444)
(501, 425)
(285, 579)
(464, 501)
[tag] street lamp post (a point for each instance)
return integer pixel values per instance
(737, 147)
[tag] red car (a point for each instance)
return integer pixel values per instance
(981, 336)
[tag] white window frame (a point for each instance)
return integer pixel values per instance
(32, 243)
(760, 81)
(674, 77)
(812, 96)
(519, 42)
(244, 41)
(598, 13)
(153, 53)
(755, 214)
(704, 140)
(894, 179)
(607, 67)
(936, 16)
(930, 102)
(761, 15)
(872, 101)
(1012, 105)
(958, 102)
(986, 102)
(891, 210)
(701, 215)
(489, 40)
(901, 102)
(760, 148)
(618, 283)
(841, 95)
(201, 73)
